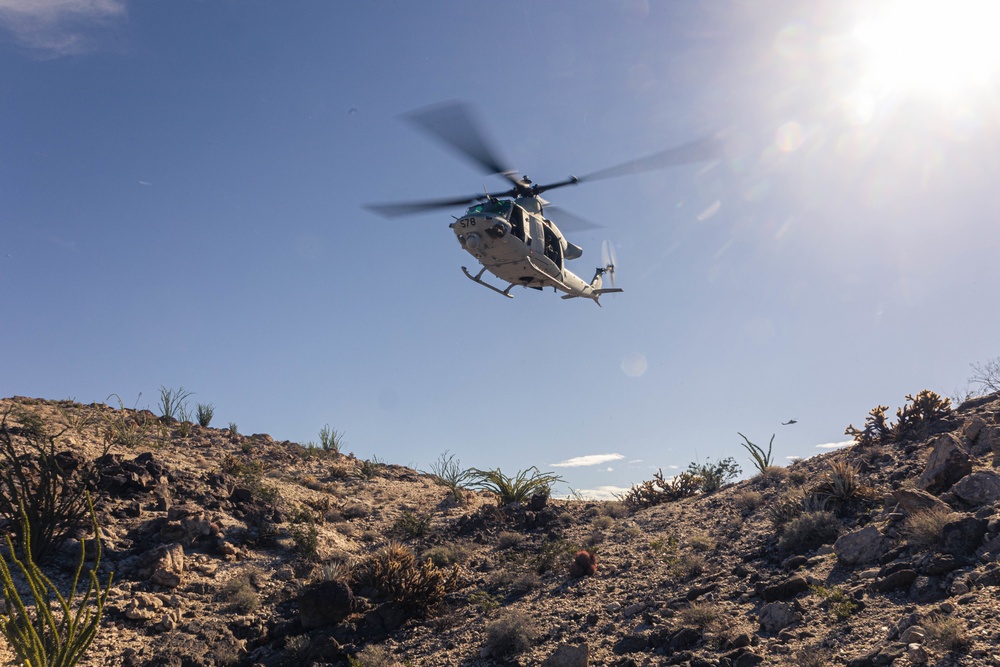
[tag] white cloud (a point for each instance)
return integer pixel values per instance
(58, 27)
(835, 445)
(590, 460)
(603, 492)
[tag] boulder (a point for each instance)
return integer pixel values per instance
(948, 462)
(980, 488)
(776, 616)
(786, 589)
(861, 546)
(569, 655)
(963, 535)
(325, 603)
(914, 501)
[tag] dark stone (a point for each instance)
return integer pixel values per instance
(794, 563)
(896, 581)
(631, 644)
(684, 639)
(925, 590)
(325, 603)
(385, 619)
(748, 660)
(940, 564)
(963, 536)
(786, 589)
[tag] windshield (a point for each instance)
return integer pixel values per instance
(497, 207)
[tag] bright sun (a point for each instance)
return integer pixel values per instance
(932, 46)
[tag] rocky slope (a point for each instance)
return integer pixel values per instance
(239, 550)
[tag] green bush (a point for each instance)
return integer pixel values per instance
(510, 636)
(660, 490)
(713, 476)
(761, 460)
(331, 439)
(54, 634)
(393, 572)
(516, 489)
(205, 413)
(173, 402)
(448, 472)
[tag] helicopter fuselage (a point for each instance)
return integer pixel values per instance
(515, 242)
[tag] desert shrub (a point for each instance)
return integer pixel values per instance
(126, 429)
(394, 572)
(699, 615)
(331, 440)
(240, 594)
(809, 531)
(841, 481)
(912, 420)
(688, 566)
(785, 508)
(701, 542)
(660, 490)
(370, 468)
(515, 582)
(923, 529)
(486, 601)
(746, 501)
(510, 636)
(234, 430)
(373, 656)
(509, 539)
(615, 509)
(448, 472)
(50, 487)
(444, 555)
(551, 552)
(947, 632)
(410, 524)
(841, 603)
(602, 522)
(54, 634)
(761, 459)
(298, 645)
(713, 476)
(812, 656)
(306, 539)
(516, 489)
(987, 375)
(205, 413)
(173, 402)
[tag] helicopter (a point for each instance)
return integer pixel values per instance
(511, 232)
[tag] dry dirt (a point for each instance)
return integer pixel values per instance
(710, 580)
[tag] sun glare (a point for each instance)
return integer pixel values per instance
(933, 46)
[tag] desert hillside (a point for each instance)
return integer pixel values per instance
(232, 549)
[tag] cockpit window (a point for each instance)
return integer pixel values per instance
(496, 208)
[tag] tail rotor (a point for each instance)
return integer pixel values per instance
(608, 260)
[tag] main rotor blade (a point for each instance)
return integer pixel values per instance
(397, 209)
(454, 124)
(706, 148)
(569, 222)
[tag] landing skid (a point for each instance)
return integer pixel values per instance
(478, 279)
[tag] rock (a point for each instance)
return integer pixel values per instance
(325, 603)
(913, 635)
(979, 488)
(776, 616)
(631, 643)
(569, 655)
(914, 501)
(962, 536)
(989, 441)
(898, 580)
(684, 639)
(786, 589)
(861, 546)
(925, 590)
(163, 565)
(748, 660)
(947, 463)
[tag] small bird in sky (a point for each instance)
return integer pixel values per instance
(790, 421)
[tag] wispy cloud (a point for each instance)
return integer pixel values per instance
(590, 460)
(59, 27)
(835, 445)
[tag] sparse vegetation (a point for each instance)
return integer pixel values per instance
(923, 529)
(394, 572)
(517, 489)
(510, 636)
(841, 481)
(54, 634)
(660, 490)
(912, 420)
(699, 615)
(331, 440)
(411, 524)
(947, 632)
(122, 428)
(809, 531)
(987, 376)
(710, 477)
(761, 460)
(840, 603)
(240, 594)
(173, 402)
(205, 413)
(448, 472)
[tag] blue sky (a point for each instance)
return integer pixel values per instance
(181, 191)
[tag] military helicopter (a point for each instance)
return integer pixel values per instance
(509, 231)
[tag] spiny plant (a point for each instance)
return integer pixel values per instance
(47, 485)
(205, 413)
(125, 428)
(393, 571)
(841, 481)
(331, 440)
(660, 490)
(516, 489)
(448, 472)
(172, 402)
(912, 419)
(54, 634)
(761, 460)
